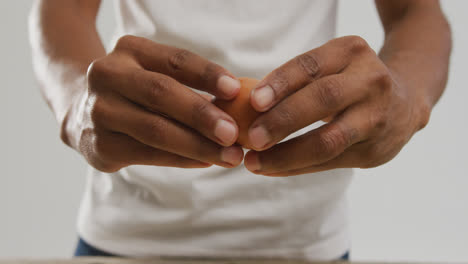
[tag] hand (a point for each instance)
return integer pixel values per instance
(137, 110)
(372, 114)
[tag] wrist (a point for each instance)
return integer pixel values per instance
(417, 99)
(69, 120)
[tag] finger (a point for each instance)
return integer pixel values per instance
(182, 65)
(369, 153)
(318, 100)
(207, 97)
(356, 156)
(346, 159)
(123, 151)
(328, 59)
(162, 94)
(314, 147)
(161, 133)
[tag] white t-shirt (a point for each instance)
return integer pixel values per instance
(218, 212)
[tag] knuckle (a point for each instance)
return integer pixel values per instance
(98, 111)
(94, 147)
(127, 42)
(278, 122)
(100, 144)
(279, 82)
(96, 71)
(425, 112)
(379, 120)
(333, 141)
(106, 166)
(357, 44)
(330, 93)
(309, 64)
(211, 73)
(383, 80)
(327, 144)
(157, 130)
(200, 111)
(284, 117)
(101, 148)
(178, 59)
(158, 88)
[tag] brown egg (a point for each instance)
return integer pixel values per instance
(241, 110)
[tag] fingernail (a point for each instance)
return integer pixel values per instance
(259, 137)
(228, 85)
(251, 161)
(205, 164)
(232, 155)
(225, 131)
(263, 96)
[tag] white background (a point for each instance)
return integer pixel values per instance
(413, 208)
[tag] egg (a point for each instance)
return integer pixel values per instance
(241, 110)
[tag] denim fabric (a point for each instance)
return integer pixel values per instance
(84, 249)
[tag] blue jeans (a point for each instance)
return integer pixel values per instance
(84, 249)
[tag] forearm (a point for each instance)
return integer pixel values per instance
(64, 42)
(417, 49)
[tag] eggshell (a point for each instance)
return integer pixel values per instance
(241, 110)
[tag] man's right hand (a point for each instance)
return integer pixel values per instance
(137, 110)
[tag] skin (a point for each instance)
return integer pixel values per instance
(374, 102)
(131, 106)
